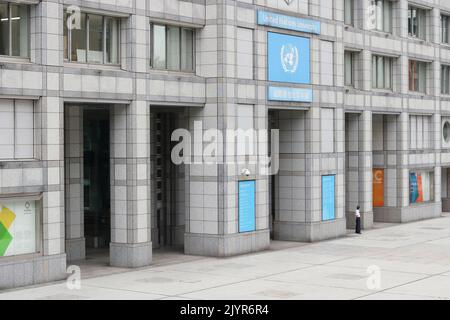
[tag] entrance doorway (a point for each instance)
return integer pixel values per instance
(168, 182)
(96, 185)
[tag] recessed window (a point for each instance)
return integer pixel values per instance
(96, 41)
(445, 20)
(417, 22)
(382, 9)
(445, 79)
(14, 30)
(417, 76)
(348, 12)
(446, 131)
(172, 48)
(420, 132)
(349, 60)
(382, 72)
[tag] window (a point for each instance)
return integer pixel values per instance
(172, 48)
(417, 76)
(349, 68)
(417, 22)
(382, 9)
(445, 20)
(446, 132)
(421, 186)
(16, 129)
(420, 132)
(445, 79)
(97, 40)
(382, 72)
(348, 12)
(14, 30)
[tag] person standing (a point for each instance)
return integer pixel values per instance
(358, 220)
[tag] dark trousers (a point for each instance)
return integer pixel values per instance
(358, 225)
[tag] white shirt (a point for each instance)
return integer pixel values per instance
(358, 215)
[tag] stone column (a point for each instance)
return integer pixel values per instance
(365, 169)
(131, 244)
(74, 195)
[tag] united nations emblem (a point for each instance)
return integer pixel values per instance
(289, 58)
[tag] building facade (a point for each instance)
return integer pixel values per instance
(91, 92)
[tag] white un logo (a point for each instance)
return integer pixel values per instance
(289, 58)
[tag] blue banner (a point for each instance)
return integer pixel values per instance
(282, 21)
(328, 198)
(288, 58)
(414, 187)
(290, 94)
(247, 206)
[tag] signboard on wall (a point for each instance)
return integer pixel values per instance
(288, 58)
(328, 198)
(282, 21)
(289, 94)
(247, 206)
(17, 228)
(378, 187)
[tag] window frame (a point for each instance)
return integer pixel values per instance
(416, 65)
(382, 16)
(180, 37)
(350, 3)
(351, 83)
(87, 28)
(375, 73)
(445, 40)
(421, 13)
(9, 55)
(445, 76)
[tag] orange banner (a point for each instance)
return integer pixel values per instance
(378, 187)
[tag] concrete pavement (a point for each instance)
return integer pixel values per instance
(413, 261)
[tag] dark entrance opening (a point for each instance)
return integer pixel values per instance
(272, 125)
(97, 207)
(165, 174)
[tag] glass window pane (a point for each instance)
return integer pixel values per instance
(387, 73)
(387, 16)
(379, 15)
(95, 53)
(112, 40)
(348, 12)
(173, 48)
(159, 47)
(4, 29)
(66, 36)
(79, 41)
(380, 72)
(374, 71)
(421, 33)
(422, 77)
(187, 49)
(19, 30)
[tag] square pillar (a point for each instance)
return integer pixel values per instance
(74, 176)
(131, 244)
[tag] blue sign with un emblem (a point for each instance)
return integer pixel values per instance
(288, 58)
(247, 206)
